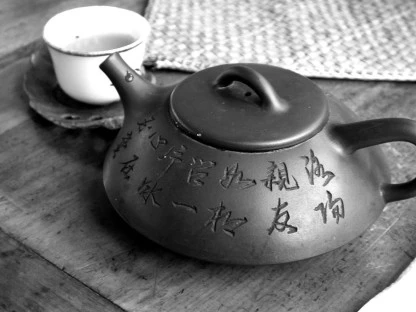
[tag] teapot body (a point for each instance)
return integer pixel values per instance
(247, 164)
(242, 207)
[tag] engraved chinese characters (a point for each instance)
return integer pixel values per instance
(281, 219)
(148, 189)
(228, 225)
(128, 166)
(280, 178)
(199, 171)
(234, 176)
(336, 206)
(123, 143)
(315, 169)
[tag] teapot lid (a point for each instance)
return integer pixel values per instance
(249, 107)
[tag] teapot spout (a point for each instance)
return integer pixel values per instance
(136, 93)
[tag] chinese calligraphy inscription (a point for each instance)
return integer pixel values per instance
(157, 140)
(316, 169)
(199, 171)
(282, 180)
(147, 190)
(123, 144)
(234, 176)
(281, 220)
(228, 224)
(145, 124)
(278, 176)
(336, 206)
(188, 207)
(175, 155)
(128, 166)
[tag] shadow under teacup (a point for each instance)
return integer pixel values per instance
(80, 39)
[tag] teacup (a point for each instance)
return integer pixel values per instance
(80, 39)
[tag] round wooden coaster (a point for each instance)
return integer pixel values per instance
(48, 99)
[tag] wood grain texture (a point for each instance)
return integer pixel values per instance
(52, 200)
(30, 283)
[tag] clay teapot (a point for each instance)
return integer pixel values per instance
(247, 164)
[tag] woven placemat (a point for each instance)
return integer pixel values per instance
(372, 39)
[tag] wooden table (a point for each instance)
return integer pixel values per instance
(63, 248)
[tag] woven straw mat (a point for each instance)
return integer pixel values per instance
(368, 39)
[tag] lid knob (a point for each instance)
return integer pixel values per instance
(270, 100)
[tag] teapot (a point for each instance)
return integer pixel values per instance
(247, 164)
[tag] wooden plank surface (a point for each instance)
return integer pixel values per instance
(30, 283)
(52, 201)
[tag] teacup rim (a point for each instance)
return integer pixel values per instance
(95, 53)
(121, 49)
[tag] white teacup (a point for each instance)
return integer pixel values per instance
(79, 40)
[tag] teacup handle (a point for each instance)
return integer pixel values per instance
(358, 135)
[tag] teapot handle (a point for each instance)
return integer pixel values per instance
(271, 101)
(358, 135)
